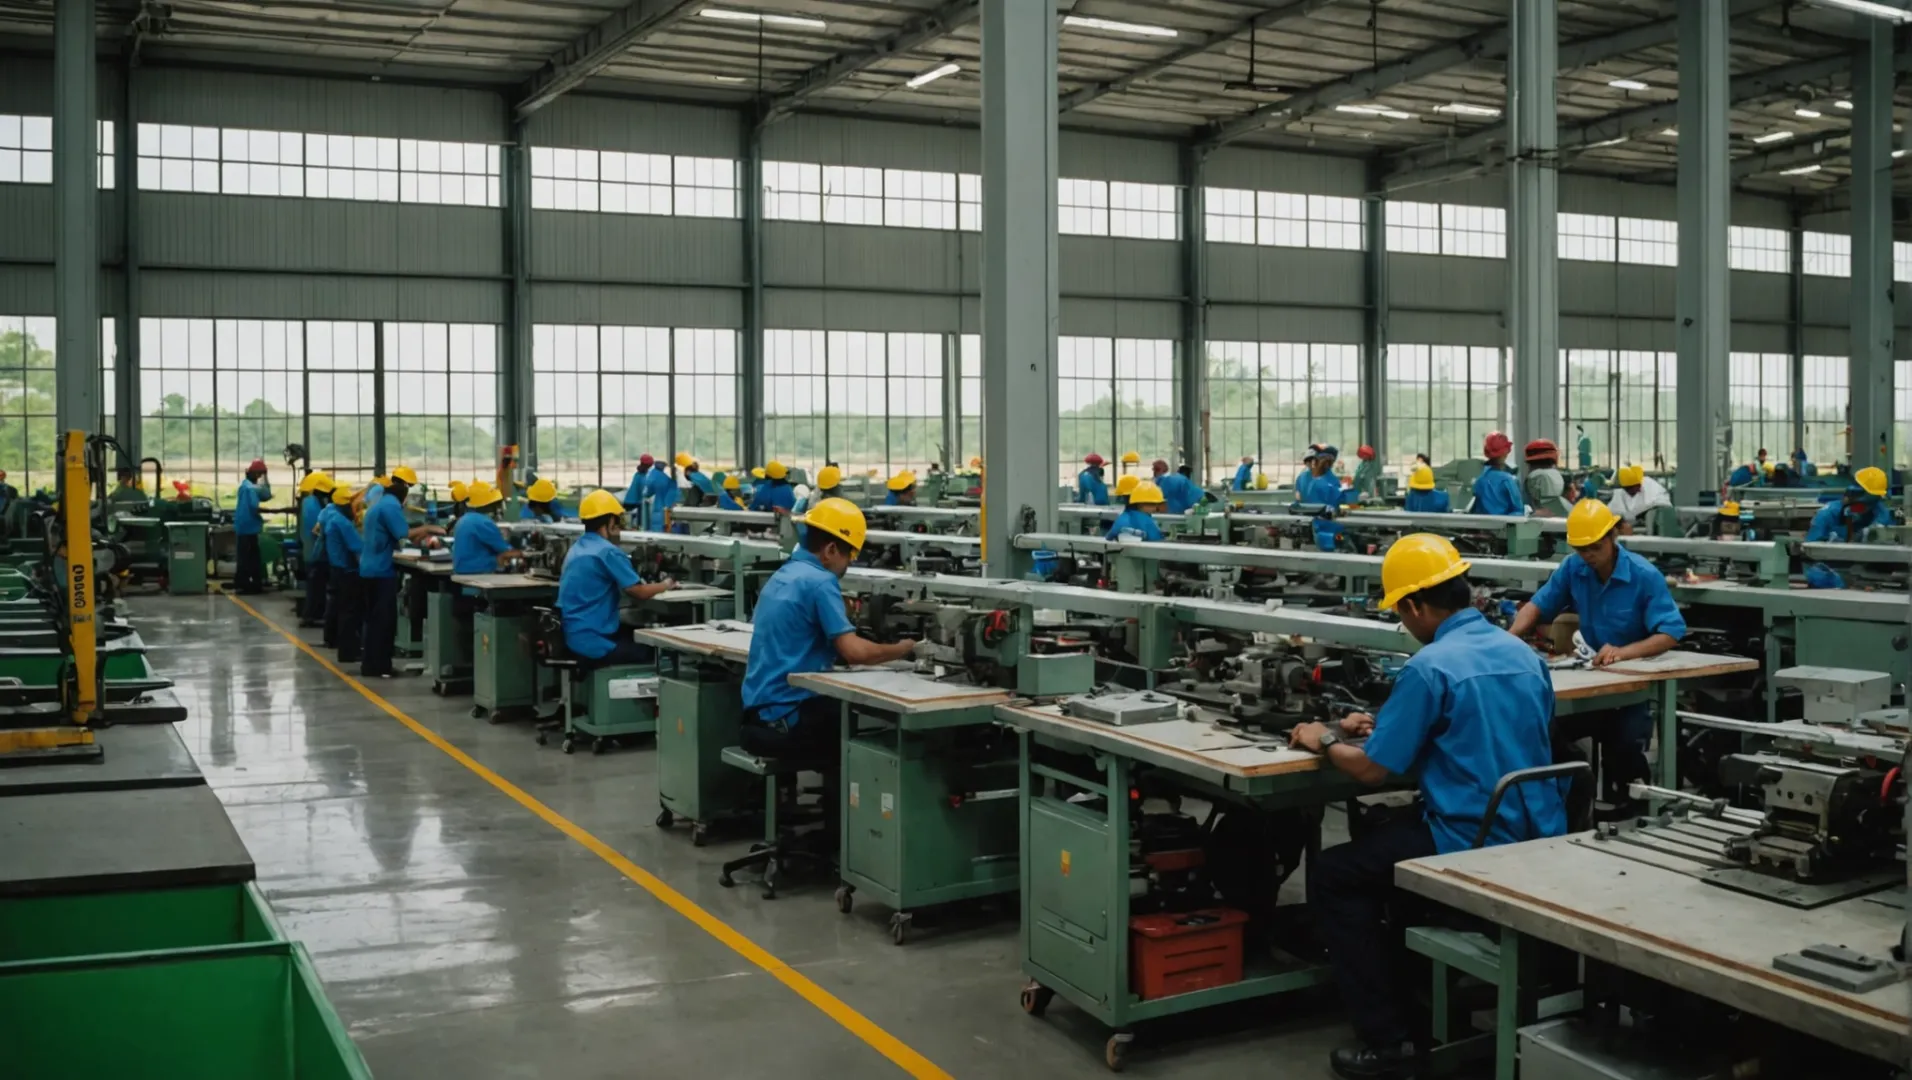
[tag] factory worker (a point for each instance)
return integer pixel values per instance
(728, 487)
(128, 491)
(1470, 707)
(1367, 475)
(694, 475)
(902, 490)
(318, 576)
(248, 576)
(1124, 488)
(1726, 523)
(1584, 447)
(775, 493)
(638, 490)
(1545, 488)
(1802, 466)
(8, 493)
(1634, 494)
(1305, 478)
(1742, 476)
(1496, 489)
(1845, 521)
(386, 530)
(541, 502)
(1626, 613)
(596, 577)
(1089, 486)
(345, 613)
(801, 626)
(829, 486)
(1422, 498)
(478, 545)
(1137, 521)
(662, 488)
(1130, 457)
(1765, 462)
(1324, 487)
(460, 494)
(1179, 493)
(1244, 474)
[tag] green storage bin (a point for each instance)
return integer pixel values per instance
(91, 924)
(232, 1012)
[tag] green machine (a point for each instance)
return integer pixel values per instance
(506, 678)
(185, 543)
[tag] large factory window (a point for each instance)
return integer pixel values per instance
(1825, 392)
(867, 401)
(605, 395)
(441, 383)
(1443, 400)
(1760, 404)
(1271, 400)
(1625, 400)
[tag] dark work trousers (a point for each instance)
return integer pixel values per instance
(1349, 891)
(318, 577)
(625, 651)
(813, 736)
(346, 621)
(1622, 736)
(381, 624)
(248, 575)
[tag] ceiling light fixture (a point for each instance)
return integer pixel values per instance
(932, 75)
(1462, 108)
(1671, 133)
(1773, 136)
(1085, 22)
(1627, 84)
(1896, 154)
(764, 18)
(1809, 114)
(1846, 105)
(1868, 7)
(1610, 142)
(1396, 114)
(1801, 170)
(1361, 110)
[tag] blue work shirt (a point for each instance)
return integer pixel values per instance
(246, 520)
(1179, 493)
(893, 498)
(1832, 524)
(726, 501)
(1632, 605)
(342, 543)
(799, 616)
(476, 543)
(1243, 474)
(1804, 467)
(590, 588)
(385, 530)
(310, 508)
(1136, 523)
(526, 513)
(700, 481)
(1586, 452)
(1090, 489)
(1427, 502)
(1497, 491)
(773, 495)
(1472, 706)
(633, 496)
(1325, 489)
(1740, 477)
(663, 492)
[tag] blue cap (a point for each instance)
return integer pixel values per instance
(1329, 451)
(1821, 576)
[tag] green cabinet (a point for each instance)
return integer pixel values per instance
(699, 711)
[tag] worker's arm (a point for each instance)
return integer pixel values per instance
(642, 591)
(418, 535)
(1548, 602)
(858, 651)
(1651, 645)
(1349, 759)
(1665, 625)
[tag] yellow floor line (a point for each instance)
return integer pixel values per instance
(856, 1023)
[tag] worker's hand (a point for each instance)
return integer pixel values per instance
(1307, 736)
(923, 650)
(1357, 724)
(1609, 654)
(668, 584)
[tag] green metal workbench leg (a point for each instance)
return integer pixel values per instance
(1669, 772)
(1508, 1018)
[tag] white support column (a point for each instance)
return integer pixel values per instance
(1703, 295)
(1533, 205)
(76, 217)
(1872, 324)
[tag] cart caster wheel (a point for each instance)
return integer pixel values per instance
(477, 712)
(598, 746)
(1115, 1053)
(1036, 998)
(439, 689)
(542, 740)
(899, 928)
(845, 898)
(699, 836)
(770, 875)
(664, 819)
(568, 745)
(724, 880)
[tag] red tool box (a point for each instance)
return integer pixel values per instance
(1192, 950)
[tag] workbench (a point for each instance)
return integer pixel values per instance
(506, 678)
(432, 621)
(1677, 929)
(1657, 677)
(684, 605)
(699, 714)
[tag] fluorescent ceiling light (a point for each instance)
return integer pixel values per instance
(932, 75)
(1846, 105)
(1896, 154)
(1140, 29)
(1395, 114)
(1628, 84)
(1462, 108)
(1609, 142)
(1809, 114)
(1671, 133)
(1801, 170)
(1869, 7)
(1375, 110)
(1773, 136)
(766, 18)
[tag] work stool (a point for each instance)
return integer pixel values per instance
(1509, 971)
(776, 851)
(550, 652)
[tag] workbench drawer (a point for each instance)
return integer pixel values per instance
(92, 924)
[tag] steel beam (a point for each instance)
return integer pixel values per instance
(750, 370)
(1374, 343)
(1199, 45)
(76, 217)
(1533, 213)
(1872, 323)
(1702, 294)
(517, 419)
(1796, 316)
(839, 68)
(1193, 408)
(1020, 305)
(126, 361)
(597, 47)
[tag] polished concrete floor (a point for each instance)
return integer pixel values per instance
(460, 935)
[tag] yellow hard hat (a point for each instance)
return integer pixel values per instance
(1729, 509)
(341, 495)
(1418, 561)
(1766, 467)
(543, 490)
(1630, 475)
(321, 482)
(684, 460)
(599, 503)
(902, 481)
(1131, 458)
(1146, 491)
(731, 483)
(758, 474)
(405, 473)
(305, 485)
(775, 470)
(1261, 481)
(459, 492)
(1871, 480)
(1127, 485)
(828, 477)
(840, 518)
(1588, 521)
(481, 495)
(1421, 479)
(382, 481)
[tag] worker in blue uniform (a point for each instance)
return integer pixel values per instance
(1124, 487)
(318, 572)
(248, 576)
(1742, 476)
(1584, 447)
(1422, 496)
(345, 614)
(1470, 707)
(900, 489)
(1137, 520)
(663, 493)
(1847, 520)
(1244, 474)
(1324, 487)
(541, 502)
(1626, 613)
(1802, 466)
(478, 545)
(829, 486)
(386, 530)
(1090, 489)
(775, 493)
(801, 626)
(695, 475)
(1305, 478)
(639, 490)
(596, 577)
(1497, 489)
(1179, 493)
(728, 487)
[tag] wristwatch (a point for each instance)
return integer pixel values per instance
(1328, 738)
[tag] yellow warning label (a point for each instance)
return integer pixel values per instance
(1065, 864)
(680, 725)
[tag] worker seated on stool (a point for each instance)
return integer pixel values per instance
(902, 489)
(800, 626)
(728, 486)
(1123, 489)
(478, 545)
(540, 502)
(596, 577)
(1637, 493)
(1626, 613)
(1422, 498)
(775, 493)
(1846, 521)
(1137, 520)
(1470, 707)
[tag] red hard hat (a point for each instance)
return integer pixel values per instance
(1542, 448)
(257, 465)
(647, 460)
(1496, 445)
(1366, 453)
(1093, 459)
(1158, 465)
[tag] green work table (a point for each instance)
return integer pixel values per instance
(699, 713)
(506, 677)
(446, 639)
